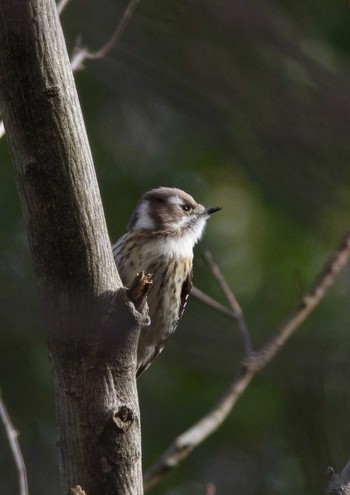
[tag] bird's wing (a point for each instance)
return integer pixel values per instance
(185, 292)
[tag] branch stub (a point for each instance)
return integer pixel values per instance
(123, 418)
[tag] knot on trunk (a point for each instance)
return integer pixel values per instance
(123, 418)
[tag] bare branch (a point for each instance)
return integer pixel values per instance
(255, 362)
(215, 271)
(310, 300)
(12, 436)
(187, 441)
(231, 299)
(209, 301)
(61, 6)
(81, 54)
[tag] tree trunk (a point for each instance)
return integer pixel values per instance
(92, 328)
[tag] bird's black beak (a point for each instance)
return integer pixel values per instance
(213, 210)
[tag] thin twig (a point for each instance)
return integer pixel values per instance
(81, 54)
(209, 301)
(311, 299)
(226, 289)
(220, 308)
(61, 6)
(196, 434)
(12, 436)
(187, 441)
(231, 299)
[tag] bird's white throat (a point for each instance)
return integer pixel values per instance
(179, 245)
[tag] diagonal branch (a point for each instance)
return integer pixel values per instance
(81, 54)
(231, 299)
(335, 263)
(252, 364)
(61, 5)
(209, 301)
(215, 271)
(12, 436)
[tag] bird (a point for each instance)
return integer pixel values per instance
(161, 234)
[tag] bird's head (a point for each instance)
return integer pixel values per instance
(170, 212)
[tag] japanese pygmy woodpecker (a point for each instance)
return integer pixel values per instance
(163, 229)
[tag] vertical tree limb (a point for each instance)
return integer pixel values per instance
(92, 328)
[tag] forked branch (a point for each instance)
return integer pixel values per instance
(232, 301)
(80, 54)
(251, 365)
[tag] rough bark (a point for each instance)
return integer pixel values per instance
(92, 328)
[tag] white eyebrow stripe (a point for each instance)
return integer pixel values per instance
(175, 200)
(144, 221)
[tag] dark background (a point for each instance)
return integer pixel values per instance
(244, 104)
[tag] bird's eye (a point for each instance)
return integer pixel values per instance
(186, 207)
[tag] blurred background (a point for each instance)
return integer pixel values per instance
(244, 104)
